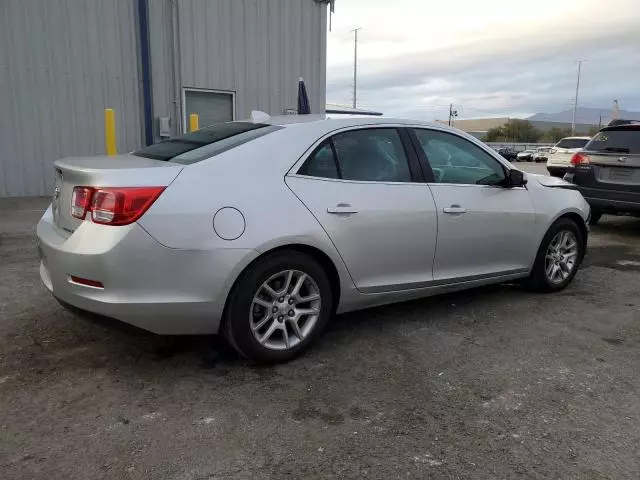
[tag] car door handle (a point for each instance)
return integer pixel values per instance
(454, 209)
(342, 208)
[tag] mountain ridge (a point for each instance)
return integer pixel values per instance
(586, 115)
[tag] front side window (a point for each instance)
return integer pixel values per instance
(454, 159)
(373, 154)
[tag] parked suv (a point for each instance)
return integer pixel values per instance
(559, 156)
(607, 171)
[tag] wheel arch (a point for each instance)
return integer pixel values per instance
(576, 218)
(323, 259)
(582, 226)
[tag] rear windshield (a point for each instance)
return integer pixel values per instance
(616, 141)
(572, 143)
(205, 143)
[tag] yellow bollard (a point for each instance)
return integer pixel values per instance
(110, 131)
(193, 122)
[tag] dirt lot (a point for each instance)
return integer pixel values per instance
(490, 383)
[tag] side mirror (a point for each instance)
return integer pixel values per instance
(515, 178)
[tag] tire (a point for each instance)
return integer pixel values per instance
(538, 279)
(243, 315)
(595, 217)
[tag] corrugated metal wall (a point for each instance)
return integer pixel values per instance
(62, 62)
(256, 48)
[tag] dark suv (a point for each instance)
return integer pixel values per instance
(607, 171)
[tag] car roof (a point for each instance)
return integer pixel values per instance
(621, 126)
(322, 124)
(575, 138)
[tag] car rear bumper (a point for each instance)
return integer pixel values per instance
(615, 201)
(163, 290)
(606, 203)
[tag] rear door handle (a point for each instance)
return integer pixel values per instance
(454, 209)
(342, 208)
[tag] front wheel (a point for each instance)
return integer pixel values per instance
(558, 257)
(278, 307)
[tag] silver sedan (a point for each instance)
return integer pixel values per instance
(263, 231)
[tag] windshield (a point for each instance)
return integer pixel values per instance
(572, 143)
(616, 141)
(205, 143)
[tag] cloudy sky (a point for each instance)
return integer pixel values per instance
(488, 57)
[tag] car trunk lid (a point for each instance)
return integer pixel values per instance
(616, 168)
(614, 158)
(561, 155)
(104, 171)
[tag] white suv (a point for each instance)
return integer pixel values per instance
(559, 157)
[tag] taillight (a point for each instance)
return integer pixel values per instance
(580, 159)
(121, 206)
(113, 205)
(80, 201)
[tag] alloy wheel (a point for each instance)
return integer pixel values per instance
(285, 309)
(561, 257)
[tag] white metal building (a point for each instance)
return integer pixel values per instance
(62, 62)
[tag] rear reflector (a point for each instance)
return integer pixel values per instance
(86, 282)
(580, 159)
(113, 206)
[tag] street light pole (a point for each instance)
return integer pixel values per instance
(355, 64)
(575, 102)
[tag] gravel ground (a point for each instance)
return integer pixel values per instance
(490, 383)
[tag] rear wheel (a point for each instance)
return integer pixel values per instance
(558, 257)
(278, 307)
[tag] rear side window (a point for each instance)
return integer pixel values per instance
(616, 141)
(370, 155)
(322, 163)
(572, 143)
(205, 143)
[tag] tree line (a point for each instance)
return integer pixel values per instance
(523, 131)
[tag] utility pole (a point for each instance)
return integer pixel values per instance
(355, 64)
(452, 114)
(575, 102)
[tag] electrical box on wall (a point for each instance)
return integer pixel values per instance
(164, 127)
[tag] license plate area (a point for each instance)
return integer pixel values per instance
(621, 173)
(626, 175)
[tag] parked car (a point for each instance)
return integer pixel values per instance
(560, 155)
(526, 155)
(262, 231)
(508, 153)
(607, 171)
(541, 154)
